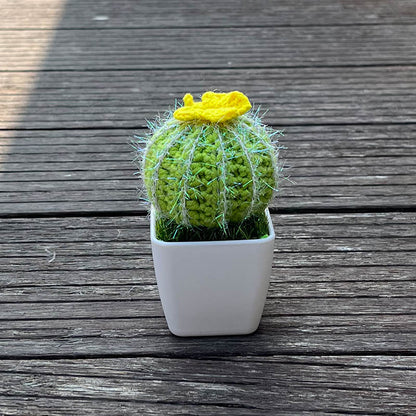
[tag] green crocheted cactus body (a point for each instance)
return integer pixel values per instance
(208, 175)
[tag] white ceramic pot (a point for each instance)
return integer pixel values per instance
(213, 287)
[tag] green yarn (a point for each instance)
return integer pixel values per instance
(210, 175)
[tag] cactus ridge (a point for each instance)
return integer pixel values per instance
(209, 174)
(222, 200)
(187, 174)
(253, 173)
(155, 169)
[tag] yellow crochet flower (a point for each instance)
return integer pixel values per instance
(213, 107)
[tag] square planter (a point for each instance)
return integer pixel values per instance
(213, 287)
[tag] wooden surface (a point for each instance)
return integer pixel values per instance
(82, 330)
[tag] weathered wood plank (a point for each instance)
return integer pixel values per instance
(128, 244)
(51, 406)
(243, 47)
(126, 181)
(142, 306)
(295, 96)
(39, 406)
(22, 14)
(143, 336)
(326, 334)
(79, 203)
(276, 384)
(135, 291)
(392, 136)
(90, 278)
(12, 179)
(97, 263)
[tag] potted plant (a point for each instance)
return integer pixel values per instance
(209, 171)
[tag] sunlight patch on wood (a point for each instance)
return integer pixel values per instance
(16, 87)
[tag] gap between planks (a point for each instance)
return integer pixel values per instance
(145, 213)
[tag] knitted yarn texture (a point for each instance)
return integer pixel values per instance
(210, 164)
(213, 107)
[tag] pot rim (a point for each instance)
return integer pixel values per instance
(254, 241)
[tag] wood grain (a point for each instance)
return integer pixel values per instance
(243, 47)
(293, 97)
(281, 384)
(102, 14)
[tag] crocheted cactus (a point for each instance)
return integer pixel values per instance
(210, 164)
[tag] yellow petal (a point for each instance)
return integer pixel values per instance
(188, 100)
(214, 107)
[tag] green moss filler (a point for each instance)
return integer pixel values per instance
(210, 175)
